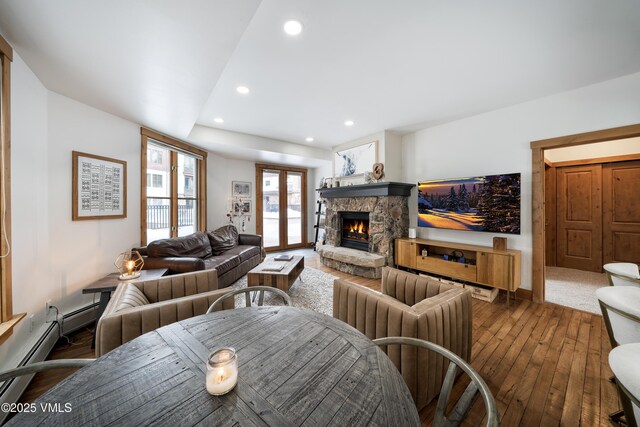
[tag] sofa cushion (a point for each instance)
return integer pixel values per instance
(245, 252)
(222, 263)
(223, 239)
(132, 297)
(194, 245)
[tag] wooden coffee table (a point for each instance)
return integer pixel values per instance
(282, 279)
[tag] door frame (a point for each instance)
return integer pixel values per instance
(538, 191)
(282, 200)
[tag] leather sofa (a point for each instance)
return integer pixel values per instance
(231, 254)
(140, 307)
(410, 306)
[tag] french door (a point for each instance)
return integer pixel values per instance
(281, 206)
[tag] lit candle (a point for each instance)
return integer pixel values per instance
(222, 371)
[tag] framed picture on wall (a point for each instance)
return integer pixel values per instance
(240, 189)
(242, 207)
(355, 160)
(99, 187)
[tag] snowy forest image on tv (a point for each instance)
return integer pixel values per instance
(485, 203)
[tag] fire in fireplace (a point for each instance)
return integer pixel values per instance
(355, 230)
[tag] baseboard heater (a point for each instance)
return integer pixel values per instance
(11, 390)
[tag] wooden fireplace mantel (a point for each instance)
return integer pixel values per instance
(368, 190)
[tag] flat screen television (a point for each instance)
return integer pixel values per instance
(488, 203)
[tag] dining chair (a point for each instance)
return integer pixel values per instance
(247, 291)
(44, 366)
(624, 364)
(623, 274)
(477, 384)
(620, 306)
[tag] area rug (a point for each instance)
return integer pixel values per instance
(314, 291)
(574, 288)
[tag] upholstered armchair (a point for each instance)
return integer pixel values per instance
(410, 306)
(141, 307)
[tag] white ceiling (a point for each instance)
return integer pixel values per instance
(397, 65)
(153, 62)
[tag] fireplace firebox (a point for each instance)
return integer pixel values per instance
(354, 228)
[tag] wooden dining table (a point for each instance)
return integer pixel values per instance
(295, 367)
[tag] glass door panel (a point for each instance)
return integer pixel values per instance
(271, 208)
(187, 195)
(294, 208)
(158, 218)
(158, 193)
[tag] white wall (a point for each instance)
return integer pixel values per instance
(499, 142)
(29, 207)
(220, 173)
(83, 251)
(54, 258)
(619, 147)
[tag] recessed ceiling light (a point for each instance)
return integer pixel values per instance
(218, 120)
(243, 90)
(293, 27)
(308, 139)
(349, 123)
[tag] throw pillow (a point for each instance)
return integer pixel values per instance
(194, 245)
(223, 239)
(132, 297)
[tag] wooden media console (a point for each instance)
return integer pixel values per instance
(476, 264)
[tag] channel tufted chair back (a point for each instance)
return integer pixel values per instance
(410, 306)
(141, 307)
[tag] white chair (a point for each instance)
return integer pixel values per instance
(624, 364)
(620, 307)
(623, 274)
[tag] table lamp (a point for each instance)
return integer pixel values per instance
(129, 264)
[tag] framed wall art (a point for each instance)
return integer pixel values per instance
(355, 160)
(99, 187)
(242, 208)
(240, 189)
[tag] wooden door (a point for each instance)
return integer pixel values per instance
(579, 218)
(621, 212)
(281, 206)
(550, 244)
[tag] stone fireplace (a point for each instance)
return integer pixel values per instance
(386, 207)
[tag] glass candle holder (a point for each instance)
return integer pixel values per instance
(222, 371)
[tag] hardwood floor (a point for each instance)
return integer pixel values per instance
(545, 364)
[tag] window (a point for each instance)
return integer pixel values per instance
(174, 192)
(7, 318)
(157, 181)
(155, 156)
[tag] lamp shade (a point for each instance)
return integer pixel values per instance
(129, 264)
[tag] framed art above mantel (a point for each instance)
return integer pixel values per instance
(355, 161)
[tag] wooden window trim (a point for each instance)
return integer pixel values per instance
(283, 195)
(147, 134)
(7, 318)
(538, 206)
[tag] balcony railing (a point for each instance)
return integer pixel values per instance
(158, 216)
